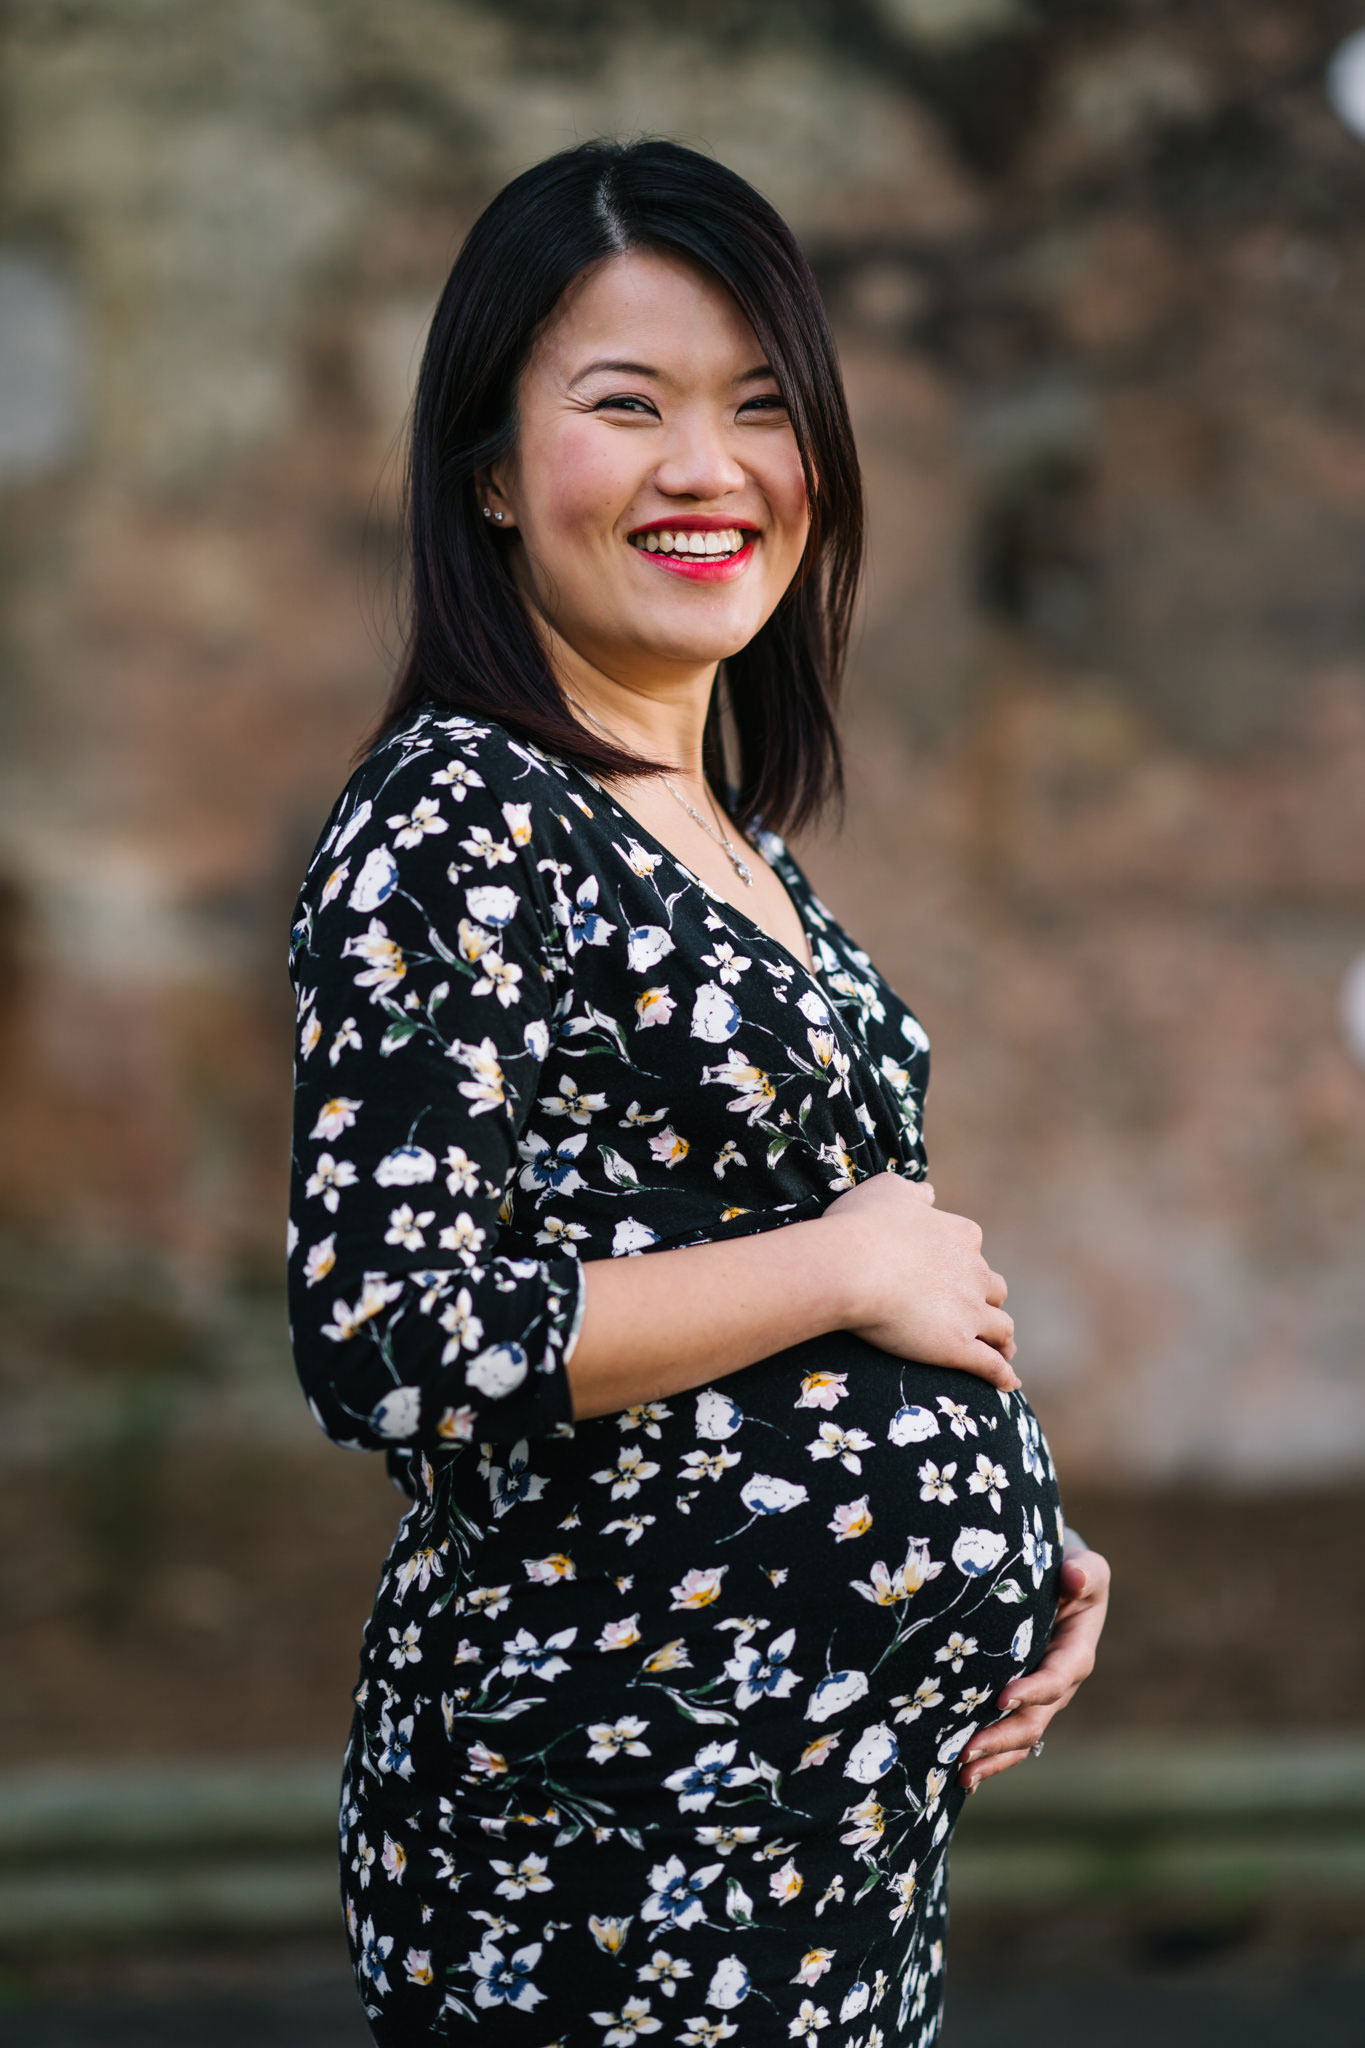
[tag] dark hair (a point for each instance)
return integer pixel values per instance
(470, 644)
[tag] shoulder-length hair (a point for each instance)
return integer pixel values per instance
(471, 646)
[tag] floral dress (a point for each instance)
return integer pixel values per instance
(658, 1714)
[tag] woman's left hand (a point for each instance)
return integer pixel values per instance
(1031, 1702)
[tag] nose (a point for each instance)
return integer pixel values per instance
(698, 461)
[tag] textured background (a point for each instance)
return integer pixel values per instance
(1098, 275)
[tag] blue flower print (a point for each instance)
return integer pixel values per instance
(397, 1738)
(676, 1898)
(715, 1770)
(375, 1949)
(504, 1982)
(763, 1677)
(586, 926)
(550, 1169)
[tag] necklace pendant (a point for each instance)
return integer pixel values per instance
(745, 872)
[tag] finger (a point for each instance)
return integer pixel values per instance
(996, 1328)
(1068, 1663)
(923, 1188)
(984, 1362)
(1019, 1731)
(994, 1766)
(996, 1290)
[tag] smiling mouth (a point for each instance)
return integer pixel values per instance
(687, 545)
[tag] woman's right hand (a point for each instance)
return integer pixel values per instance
(918, 1284)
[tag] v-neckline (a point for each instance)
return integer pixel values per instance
(810, 969)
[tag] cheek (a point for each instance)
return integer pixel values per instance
(582, 486)
(785, 489)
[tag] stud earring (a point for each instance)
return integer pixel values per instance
(487, 512)
(498, 517)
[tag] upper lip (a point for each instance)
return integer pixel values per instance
(696, 522)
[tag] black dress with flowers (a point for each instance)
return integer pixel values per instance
(658, 1714)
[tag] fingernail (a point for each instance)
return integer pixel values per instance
(972, 1784)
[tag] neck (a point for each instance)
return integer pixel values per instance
(661, 717)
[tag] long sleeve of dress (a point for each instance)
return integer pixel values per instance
(425, 964)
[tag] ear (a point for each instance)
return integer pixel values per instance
(491, 499)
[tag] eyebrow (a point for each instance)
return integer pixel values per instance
(760, 372)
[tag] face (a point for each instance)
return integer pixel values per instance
(655, 501)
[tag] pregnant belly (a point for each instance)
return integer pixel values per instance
(831, 1548)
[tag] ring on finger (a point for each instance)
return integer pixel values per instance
(1037, 1748)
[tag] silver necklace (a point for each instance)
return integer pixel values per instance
(737, 861)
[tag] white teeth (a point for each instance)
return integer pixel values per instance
(664, 541)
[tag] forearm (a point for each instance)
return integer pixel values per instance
(667, 1321)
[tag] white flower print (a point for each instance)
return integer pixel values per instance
(836, 1692)
(707, 2033)
(887, 1589)
(668, 1148)
(519, 1878)
(459, 778)
(956, 1650)
(486, 1089)
(988, 1478)
(912, 1425)
(823, 1389)
(335, 1116)
(320, 1259)
(628, 1474)
(572, 1102)
(628, 2025)
(609, 1933)
(844, 1444)
(408, 1228)
(607, 1740)
(462, 1175)
(329, 1179)
(620, 1635)
(960, 1419)
(424, 817)
(935, 1482)
(708, 1464)
(728, 963)
(756, 1092)
(405, 1167)
(851, 1520)
(375, 1297)
(345, 1039)
(385, 966)
(498, 978)
(699, 1587)
(653, 1006)
(785, 1884)
(925, 1697)
(665, 1970)
(376, 882)
(978, 1550)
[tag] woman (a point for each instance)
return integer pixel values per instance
(723, 1562)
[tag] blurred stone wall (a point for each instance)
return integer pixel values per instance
(1098, 276)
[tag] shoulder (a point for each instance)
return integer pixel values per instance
(439, 779)
(442, 801)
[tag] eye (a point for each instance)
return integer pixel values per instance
(626, 402)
